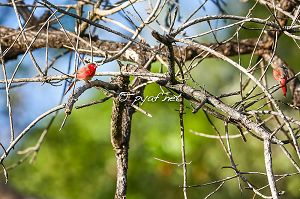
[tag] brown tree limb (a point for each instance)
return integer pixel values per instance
(120, 135)
(58, 40)
(167, 41)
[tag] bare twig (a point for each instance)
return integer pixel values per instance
(269, 168)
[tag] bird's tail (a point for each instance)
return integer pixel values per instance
(283, 86)
(69, 88)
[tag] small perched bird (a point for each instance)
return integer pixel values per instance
(280, 74)
(85, 73)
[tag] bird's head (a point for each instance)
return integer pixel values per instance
(92, 66)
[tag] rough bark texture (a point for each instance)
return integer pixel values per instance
(120, 136)
(57, 39)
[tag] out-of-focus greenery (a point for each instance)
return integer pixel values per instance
(78, 162)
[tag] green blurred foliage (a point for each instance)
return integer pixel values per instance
(79, 162)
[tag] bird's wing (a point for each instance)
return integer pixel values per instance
(83, 72)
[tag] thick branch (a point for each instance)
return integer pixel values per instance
(120, 136)
(57, 39)
(167, 41)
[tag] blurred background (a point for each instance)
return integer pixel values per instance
(78, 162)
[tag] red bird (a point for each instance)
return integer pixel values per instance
(85, 73)
(280, 74)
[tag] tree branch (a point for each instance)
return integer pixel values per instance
(57, 39)
(269, 168)
(200, 95)
(120, 135)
